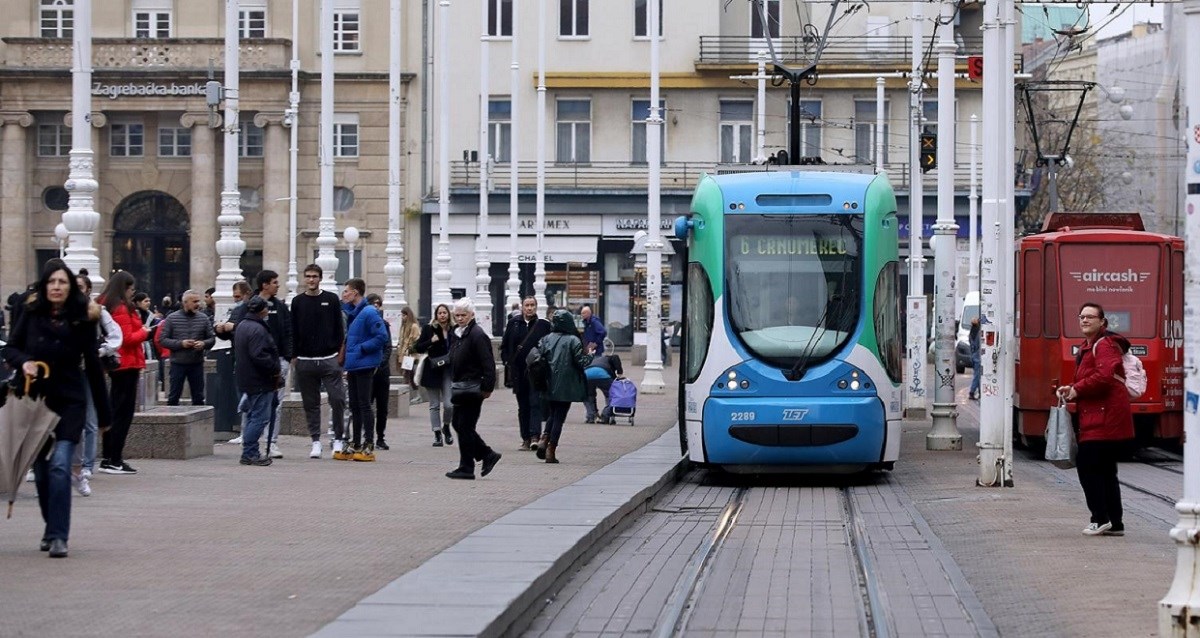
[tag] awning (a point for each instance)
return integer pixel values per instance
(556, 249)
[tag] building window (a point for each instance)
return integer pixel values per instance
(573, 18)
(641, 18)
(126, 140)
(345, 135)
(574, 131)
(343, 199)
(641, 111)
(810, 127)
(347, 31)
(864, 132)
(249, 200)
(737, 130)
(56, 198)
(174, 142)
(250, 139)
(252, 22)
(771, 8)
(152, 24)
(500, 18)
(929, 116)
(54, 140)
(500, 130)
(57, 18)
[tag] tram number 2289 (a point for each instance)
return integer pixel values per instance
(742, 416)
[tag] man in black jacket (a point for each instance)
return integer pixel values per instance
(320, 331)
(257, 376)
(520, 336)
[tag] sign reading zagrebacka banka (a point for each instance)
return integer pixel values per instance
(146, 89)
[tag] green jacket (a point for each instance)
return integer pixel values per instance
(564, 350)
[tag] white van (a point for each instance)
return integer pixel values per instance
(962, 350)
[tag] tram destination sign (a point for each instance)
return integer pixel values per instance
(147, 89)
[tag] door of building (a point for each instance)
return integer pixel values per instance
(150, 242)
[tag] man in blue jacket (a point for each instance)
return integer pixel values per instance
(366, 337)
(258, 377)
(593, 332)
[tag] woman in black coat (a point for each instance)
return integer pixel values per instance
(471, 364)
(59, 328)
(435, 343)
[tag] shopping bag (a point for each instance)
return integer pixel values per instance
(1060, 438)
(406, 363)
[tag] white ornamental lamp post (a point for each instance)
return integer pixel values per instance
(81, 218)
(393, 293)
(483, 258)
(230, 246)
(514, 272)
(326, 239)
(442, 274)
(351, 237)
(61, 234)
(539, 267)
(652, 380)
(291, 118)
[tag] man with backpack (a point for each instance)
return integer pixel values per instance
(522, 333)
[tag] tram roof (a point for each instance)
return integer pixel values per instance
(1098, 236)
(839, 185)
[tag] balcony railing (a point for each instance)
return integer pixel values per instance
(173, 54)
(624, 177)
(876, 52)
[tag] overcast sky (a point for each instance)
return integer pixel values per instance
(1127, 16)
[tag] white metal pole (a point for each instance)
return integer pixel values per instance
(350, 234)
(326, 237)
(991, 421)
(879, 124)
(973, 208)
(442, 275)
(393, 293)
(483, 258)
(539, 268)
(514, 272)
(761, 105)
(1006, 256)
(916, 394)
(293, 116)
(81, 218)
(652, 380)
(230, 246)
(944, 435)
(1179, 610)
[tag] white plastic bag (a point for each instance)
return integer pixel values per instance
(407, 362)
(1060, 438)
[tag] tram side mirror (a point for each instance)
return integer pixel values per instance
(683, 227)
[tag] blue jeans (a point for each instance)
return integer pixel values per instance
(589, 403)
(258, 412)
(53, 480)
(85, 452)
(975, 372)
(194, 373)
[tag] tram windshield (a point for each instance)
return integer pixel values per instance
(793, 284)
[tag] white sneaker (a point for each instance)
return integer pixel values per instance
(29, 477)
(275, 453)
(1096, 529)
(86, 473)
(81, 484)
(338, 444)
(316, 450)
(236, 440)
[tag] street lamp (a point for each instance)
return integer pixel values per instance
(61, 233)
(351, 237)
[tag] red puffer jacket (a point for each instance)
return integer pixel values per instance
(1102, 402)
(133, 335)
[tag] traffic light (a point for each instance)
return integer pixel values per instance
(928, 151)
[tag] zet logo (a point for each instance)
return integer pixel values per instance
(795, 414)
(1097, 276)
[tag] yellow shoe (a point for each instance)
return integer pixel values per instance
(342, 452)
(366, 454)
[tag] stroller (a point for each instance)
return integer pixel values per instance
(622, 400)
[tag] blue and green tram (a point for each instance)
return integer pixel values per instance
(792, 354)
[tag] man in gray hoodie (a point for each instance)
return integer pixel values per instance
(187, 333)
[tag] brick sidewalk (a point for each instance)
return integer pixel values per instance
(210, 547)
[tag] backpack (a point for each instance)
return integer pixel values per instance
(1135, 375)
(537, 369)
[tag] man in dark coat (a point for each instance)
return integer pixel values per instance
(257, 376)
(522, 333)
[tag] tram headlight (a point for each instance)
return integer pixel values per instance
(854, 385)
(732, 375)
(732, 385)
(842, 384)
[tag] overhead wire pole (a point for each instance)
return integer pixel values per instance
(293, 116)
(513, 287)
(944, 435)
(539, 268)
(483, 258)
(879, 123)
(915, 395)
(393, 293)
(441, 276)
(973, 210)
(652, 379)
(1007, 257)
(1179, 610)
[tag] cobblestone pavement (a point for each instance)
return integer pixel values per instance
(209, 547)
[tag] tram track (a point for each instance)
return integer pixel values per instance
(873, 613)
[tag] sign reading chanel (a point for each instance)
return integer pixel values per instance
(146, 89)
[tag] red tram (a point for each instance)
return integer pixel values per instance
(1137, 276)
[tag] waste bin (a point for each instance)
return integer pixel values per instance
(222, 390)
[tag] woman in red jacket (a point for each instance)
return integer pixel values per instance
(1104, 417)
(118, 299)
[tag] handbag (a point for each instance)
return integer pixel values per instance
(407, 362)
(1061, 447)
(464, 391)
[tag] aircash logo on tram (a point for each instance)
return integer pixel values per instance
(792, 246)
(1099, 279)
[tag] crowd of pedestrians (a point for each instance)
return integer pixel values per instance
(335, 350)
